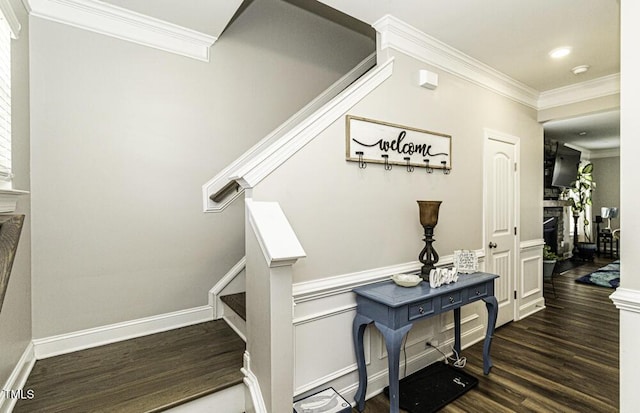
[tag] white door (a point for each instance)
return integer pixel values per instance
(500, 220)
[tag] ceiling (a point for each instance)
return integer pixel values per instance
(513, 37)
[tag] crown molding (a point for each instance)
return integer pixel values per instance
(114, 21)
(396, 34)
(10, 18)
(591, 89)
(605, 153)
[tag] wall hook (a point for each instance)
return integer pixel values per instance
(361, 163)
(387, 165)
(429, 169)
(409, 167)
(445, 170)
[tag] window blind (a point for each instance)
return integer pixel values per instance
(5, 100)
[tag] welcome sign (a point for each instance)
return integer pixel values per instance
(381, 142)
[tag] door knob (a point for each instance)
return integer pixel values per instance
(492, 245)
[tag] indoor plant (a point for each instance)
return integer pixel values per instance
(549, 259)
(580, 197)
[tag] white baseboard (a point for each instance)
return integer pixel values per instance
(18, 378)
(93, 337)
(251, 381)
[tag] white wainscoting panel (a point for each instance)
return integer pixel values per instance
(323, 343)
(530, 285)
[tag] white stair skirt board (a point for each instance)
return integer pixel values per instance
(229, 400)
(235, 321)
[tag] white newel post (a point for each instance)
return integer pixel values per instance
(271, 250)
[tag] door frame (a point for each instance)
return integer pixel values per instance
(491, 134)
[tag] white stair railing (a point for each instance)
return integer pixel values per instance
(222, 189)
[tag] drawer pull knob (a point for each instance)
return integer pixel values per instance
(450, 299)
(477, 292)
(421, 310)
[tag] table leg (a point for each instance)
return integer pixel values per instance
(492, 315)
(457, 344)
(360, 322)
(393, 341)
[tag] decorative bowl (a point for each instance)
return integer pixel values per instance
(406, 280)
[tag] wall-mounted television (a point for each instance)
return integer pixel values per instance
(565, 168)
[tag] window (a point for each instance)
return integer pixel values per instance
(9, 29)
(5, 100)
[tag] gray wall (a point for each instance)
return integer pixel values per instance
(15, 317)
(606, 174)
(123, 137)
(350, 219)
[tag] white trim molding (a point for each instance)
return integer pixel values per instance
(626, 299)
(253, 386)
(11, 18)
(124, 24)
(93, 337)
(224, 281)
(531, 244)
(396, 34)
(219, 181)
(280, 151)
(591, 89)
(338, 284)
(604, 153)
(18, 378)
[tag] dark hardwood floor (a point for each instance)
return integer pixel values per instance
(561, 359)
(146, 374)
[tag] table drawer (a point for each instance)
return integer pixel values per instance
(477, 292)
(454, 299)
(421, 309)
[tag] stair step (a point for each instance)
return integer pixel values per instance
(145, 374)
(237, 302)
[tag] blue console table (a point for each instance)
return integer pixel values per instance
(394, 309)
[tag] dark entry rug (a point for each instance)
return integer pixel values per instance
(566, 265)
(607, 276)
(433, 387)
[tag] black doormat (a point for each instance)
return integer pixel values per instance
(433, 387)
(566, 265)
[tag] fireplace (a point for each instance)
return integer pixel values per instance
(556, 227)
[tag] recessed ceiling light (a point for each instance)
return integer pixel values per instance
(583, 133)
(560, 52)
(580, 69)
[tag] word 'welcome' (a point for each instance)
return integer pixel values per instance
(396, 145)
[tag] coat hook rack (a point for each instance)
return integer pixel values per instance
(429, 169)
(387, 165)
(361, 163)
(409, 167)
(445, 170)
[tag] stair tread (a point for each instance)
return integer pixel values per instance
(237, 302)
(145, 374)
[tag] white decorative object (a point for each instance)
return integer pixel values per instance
(427, 79)
(406, 280)
(466, 261)
(442, 276)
